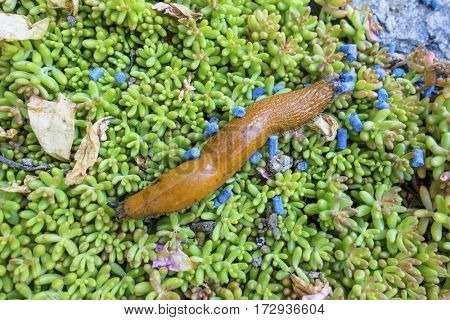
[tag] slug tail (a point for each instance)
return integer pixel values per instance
(119, 209)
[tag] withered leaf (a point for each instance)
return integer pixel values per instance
(307, 291)
(142, 162)
(17, 27)
(416, 59)
(87, 153)
(423, 61)
(173, 259)
(187, 87)
(20, 188)
(324, 124)
(72, 5)
(8, 134)
(53, 123)
(429, 74)
(178, 11)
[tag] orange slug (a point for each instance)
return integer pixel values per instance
(227, 151)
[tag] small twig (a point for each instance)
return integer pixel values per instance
(132, 56)
(131, 80)
(23, 166)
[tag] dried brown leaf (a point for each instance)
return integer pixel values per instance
(142, 162)
(72, 5)
(53, 123)
(22, 188)
(423, 61)
(187, 87)
(178, 11)
(8, 134)
(324, 124)
(173, 259)
(87, 153)
(307, 291)
(17, 27)
(429, 74)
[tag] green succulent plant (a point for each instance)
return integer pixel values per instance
(370, 218)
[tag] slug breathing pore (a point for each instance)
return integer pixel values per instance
(227, 151)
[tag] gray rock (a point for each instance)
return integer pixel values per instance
(407, 23)
(279, 163)
(315, 275)
(205, 226)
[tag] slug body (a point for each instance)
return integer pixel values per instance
(227, 151)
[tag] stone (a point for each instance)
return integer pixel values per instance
(407, 23)
(279, 163)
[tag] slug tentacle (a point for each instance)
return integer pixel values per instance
(227, 151)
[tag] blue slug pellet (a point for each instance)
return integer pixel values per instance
(211, 129)
(214, 119)
(379, 71)
(238, 112)
(302, 166)
(96, 73)
(349, 76)
(306, 85)
(382, 94)
(398, 72)
(277, 205)
(121, 77)
(355, 122)
(421, 82)
(418, 160)
(254, 158)
(342, 139)
(223, 197)
(351, 51)
(257, 92)
(278, 88)
(273, 146)
(380, 104)
(342, 87)
(428, 91)
(191, 154)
